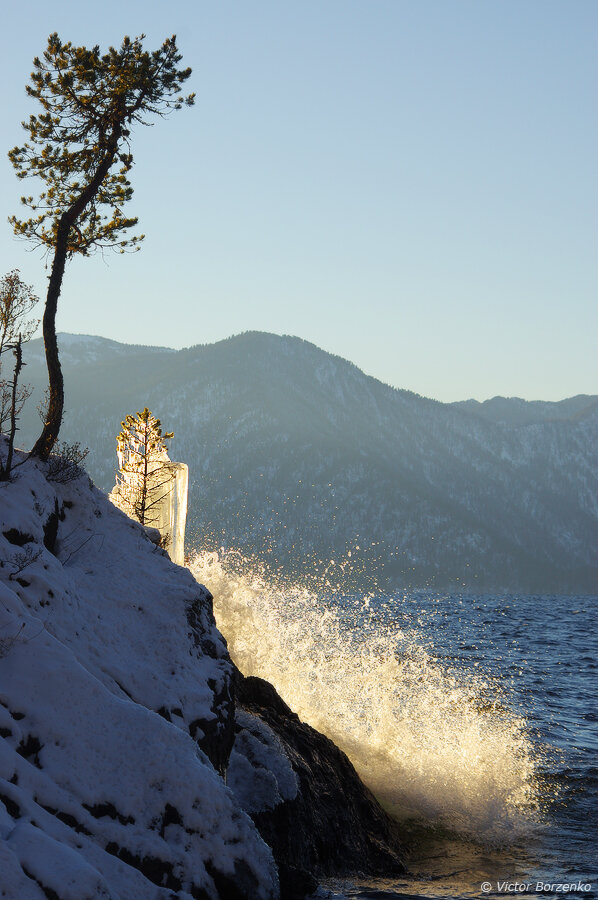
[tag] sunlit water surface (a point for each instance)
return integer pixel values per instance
(473, 719)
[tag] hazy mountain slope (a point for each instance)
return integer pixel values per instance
(298, 455)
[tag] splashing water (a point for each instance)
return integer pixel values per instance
(431, 744)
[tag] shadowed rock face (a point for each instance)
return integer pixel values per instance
(214, 736)
(334, 826)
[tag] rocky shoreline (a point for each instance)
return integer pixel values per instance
(136, 761)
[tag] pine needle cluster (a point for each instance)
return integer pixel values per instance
(145, 473)
(79, 144)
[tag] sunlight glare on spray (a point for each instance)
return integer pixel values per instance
(431, 744)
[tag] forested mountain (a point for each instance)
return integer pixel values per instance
(299, 457)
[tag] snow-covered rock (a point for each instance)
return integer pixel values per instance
(259, 773)
(116, 712)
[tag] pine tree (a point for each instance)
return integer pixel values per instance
(79, 146)
(145, 473)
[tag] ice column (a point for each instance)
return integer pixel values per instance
(168, 490)
(178, 513)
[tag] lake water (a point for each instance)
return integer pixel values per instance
(474, 719)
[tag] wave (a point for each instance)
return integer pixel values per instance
(433, 744)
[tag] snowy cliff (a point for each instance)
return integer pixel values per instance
(115, 712)
(120, 714)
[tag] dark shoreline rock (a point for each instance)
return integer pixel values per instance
(214, 736)
(334, 826)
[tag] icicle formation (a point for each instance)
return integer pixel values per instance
(145, 473)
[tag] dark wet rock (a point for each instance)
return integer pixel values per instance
(219, 732)
(170, 816)
(47, 891)
(158, 871)
(13, 809)
(239, 885)
(215, 735)
(51, 527)
(29, 748)
(67, 818)
(99, 810)
(334, 826)
(18, 538)
(165, 713)
(295, 884)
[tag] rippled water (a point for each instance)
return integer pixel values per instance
(472, 718)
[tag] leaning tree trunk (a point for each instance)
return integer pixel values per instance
(48, 437)
(53, 419)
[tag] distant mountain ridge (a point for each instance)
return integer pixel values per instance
(78, 348)
(514, 411)
(299, 457)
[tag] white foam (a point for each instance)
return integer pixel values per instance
(430, 743)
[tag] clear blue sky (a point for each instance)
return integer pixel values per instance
(410, 185)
